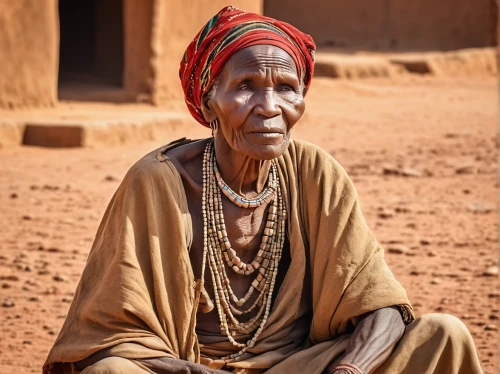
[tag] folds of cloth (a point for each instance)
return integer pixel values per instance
(138, 296)
(434, 343)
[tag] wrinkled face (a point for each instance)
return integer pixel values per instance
(258, 99)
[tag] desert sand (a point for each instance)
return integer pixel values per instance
(422, 152)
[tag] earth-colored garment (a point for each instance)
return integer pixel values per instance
(434, 343)
(138, 296)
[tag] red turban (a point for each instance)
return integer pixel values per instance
(226, 33)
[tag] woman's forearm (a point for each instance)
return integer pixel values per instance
(374, 338)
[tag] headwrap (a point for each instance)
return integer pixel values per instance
(226, 33)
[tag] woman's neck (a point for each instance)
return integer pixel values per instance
(244, 175)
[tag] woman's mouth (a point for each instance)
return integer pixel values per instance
(268, 134)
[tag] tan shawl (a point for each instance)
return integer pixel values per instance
(138, 297)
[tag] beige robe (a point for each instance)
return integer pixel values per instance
(138, 296)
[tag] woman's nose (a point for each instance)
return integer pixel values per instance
(267, 105)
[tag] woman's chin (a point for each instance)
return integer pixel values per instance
(268, 147)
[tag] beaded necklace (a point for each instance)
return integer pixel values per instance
(265, 197)
(217, 252)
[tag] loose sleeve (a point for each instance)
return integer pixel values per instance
(135, 297)
(349, 275)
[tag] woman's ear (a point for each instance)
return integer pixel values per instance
(207, 108)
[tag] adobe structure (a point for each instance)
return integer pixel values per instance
(129, 50)
(102, 50)
(392, 25)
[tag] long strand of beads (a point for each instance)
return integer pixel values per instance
(251, 343)
(230, 256)
(274, 264)
(248, 326)
(210, 244)
(204, 214)
(234, 261)
(216, 255)
(260, 277)
(276, 258)
(216, 269)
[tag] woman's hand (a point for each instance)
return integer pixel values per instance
(167, 365)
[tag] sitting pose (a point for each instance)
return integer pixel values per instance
(246, 252)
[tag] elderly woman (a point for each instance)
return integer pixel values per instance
(246, 252)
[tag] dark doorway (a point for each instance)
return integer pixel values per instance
(91, 50)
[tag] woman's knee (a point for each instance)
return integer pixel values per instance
(441, 327)
(113, 365)
(444, 323)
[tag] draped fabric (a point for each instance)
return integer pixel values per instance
(138, 295)
(226, 33)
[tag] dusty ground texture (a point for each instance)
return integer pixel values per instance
(422, 154)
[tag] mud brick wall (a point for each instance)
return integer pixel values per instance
(392, 24)
(29, 53)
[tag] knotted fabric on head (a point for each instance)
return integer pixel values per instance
(226, 33)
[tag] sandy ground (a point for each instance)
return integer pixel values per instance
(421, 151)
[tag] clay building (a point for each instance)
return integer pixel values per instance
(392, 25)
(129, 50)
(106, 50)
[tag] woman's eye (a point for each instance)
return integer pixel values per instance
(244, 87)
(286, 88)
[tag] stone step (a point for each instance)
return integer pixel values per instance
(461, 63)
(95, 132)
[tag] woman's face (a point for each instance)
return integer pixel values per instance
(258, 99)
